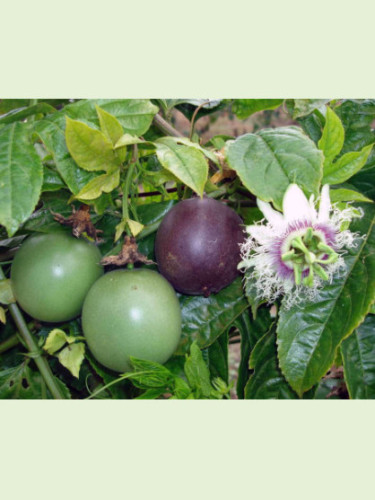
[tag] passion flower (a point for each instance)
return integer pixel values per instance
(295, 252)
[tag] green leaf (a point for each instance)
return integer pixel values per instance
(51, 131)
(152, 393)
(182, 389)
(252, 296)
(269, 161)
(358, 353)
(197, 373)
(109, 125)
(90, 148)
(115, 391)
(347, 195)
(185, 141)
(51, 180)
(21, 176)
(217, 357)
(251, 330)
(135, 115)
(205, 318)
(310, 333)
(303, 107)
(332, 139)
(6, 292)
(101, 184)
(72, 356)
(243, 108)
(186, 163)
(346, 166)
(21, 114)
(148, 374)
(129, 140)
(357, 117)
(21, 383)
(267, 381)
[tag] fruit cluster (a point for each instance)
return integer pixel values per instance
(134, 312)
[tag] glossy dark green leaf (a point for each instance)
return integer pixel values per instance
(364, 182)
(205, 319)
(358, 352)
(21, 176)
(116, 391)
(217, 357)
(42, 220)
(267, 162)
(7, 105)
(267, 381)
(22, 113)
(313, 125)
(251, 330)
(51, 180)
(303, 107)
(243, 108)
(309, 333)
(357, 116)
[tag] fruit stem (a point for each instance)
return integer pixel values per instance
(32, 347)
(126, 188)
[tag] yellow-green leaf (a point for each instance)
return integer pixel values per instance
(71, 357)
(55, 340)
(128, 140)
(91, 149)
(103, 183)
(109, 125)
(2, 315)
(135, 227)
(6, 292)
(120, 228)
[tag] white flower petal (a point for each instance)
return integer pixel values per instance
(325, 204)
(296, 206)
(260, 233)
(275, 218)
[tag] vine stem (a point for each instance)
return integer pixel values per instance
(9, 343)
(165, 127)
(194, 117)
(32, 347)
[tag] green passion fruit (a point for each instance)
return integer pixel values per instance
(52, 273)
(131, 313)
(197, 246)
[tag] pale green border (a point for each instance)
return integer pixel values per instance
(187, 450)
